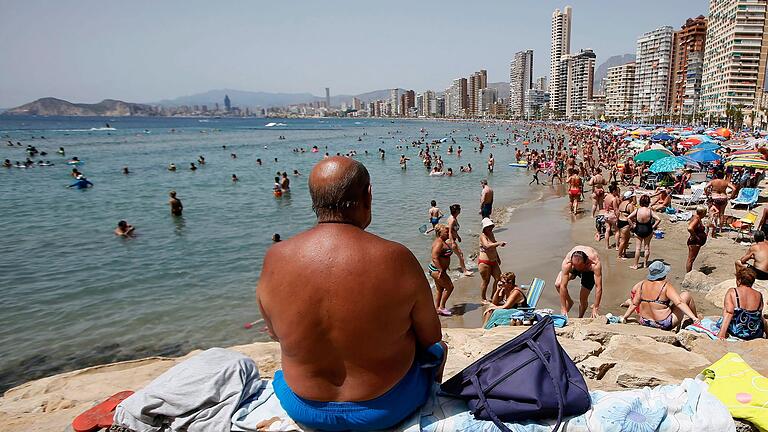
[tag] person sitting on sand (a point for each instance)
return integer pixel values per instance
(124, 229)
(662, 201)
(743, 309)
(582, 262)
(507, 296)
(658, 303)
(341, 369)
(758, 252)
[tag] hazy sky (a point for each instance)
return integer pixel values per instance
(144, 51)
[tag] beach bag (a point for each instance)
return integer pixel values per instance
(528, 378)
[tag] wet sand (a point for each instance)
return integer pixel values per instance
(538, 236)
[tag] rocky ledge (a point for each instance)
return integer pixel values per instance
(611, 357)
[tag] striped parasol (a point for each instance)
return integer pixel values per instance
(748, 163)
(749, 154)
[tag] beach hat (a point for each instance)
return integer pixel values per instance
(487, 222)
(628, 194)
(658, 270)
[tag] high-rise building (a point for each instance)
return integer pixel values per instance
(735, 56)
(477, 81)
(540, 83)
(688, 49)
(328, 98)
(619, 90)
(227, 103)
(456, 98)
(488, 97)
(561, 45)
(394, 99)
(520, 81)
(535, 101)
(426, 104)
(440, 104)
(357, 104)
(579, 77)
(407, 102)
(652, 73)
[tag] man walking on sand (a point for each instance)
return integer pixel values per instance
(486, 200)
(317, 293)
(582, 262)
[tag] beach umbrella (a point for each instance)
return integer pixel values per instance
(641, 132)
(652, 155)
(701, 137)
(705, 146)
(688, 162)
(662, 137)
(751, 154)
(657, 146)
(704, 156)
(666, 164)
(690, 142)
(628, 139)
(748, 163)
(723, 132)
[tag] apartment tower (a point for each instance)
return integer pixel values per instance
(561, 45)
(520, 80)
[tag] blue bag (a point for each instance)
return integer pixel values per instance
(528, 378)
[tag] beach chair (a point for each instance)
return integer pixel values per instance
(533, 294)
(651, 181)
(744, 226)
(694, 198)
(747, 197)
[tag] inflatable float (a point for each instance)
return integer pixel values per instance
(519, 164)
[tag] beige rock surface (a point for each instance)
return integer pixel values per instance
(611, 357)
(717, 293)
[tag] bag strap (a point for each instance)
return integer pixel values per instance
(555, 383)
(484, 405)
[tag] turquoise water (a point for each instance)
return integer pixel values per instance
(74, 295)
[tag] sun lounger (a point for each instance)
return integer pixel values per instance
(694, 198)
(747, 197)
(744, 226)
(533, 294)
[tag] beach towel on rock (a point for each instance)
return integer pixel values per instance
(743, 391)
(687, 407)
(198, 395)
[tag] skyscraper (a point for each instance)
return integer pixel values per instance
(520, 80)
(687, 58)
(227, 103)
(652, 73)
(328, 98)
(477, 82)
(456, 98)
(407, 101)
(394, 99)
(619, 90)
(540, 83)
(735, 56)
(561, 45)
(580, 78)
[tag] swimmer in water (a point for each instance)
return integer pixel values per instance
(61, 151)
(296, 173)
(201, 160)
(234, 178)
(192, 166)
(124, 229)
(285, 183)
(276, 238)
(125, 171)
(172, 167)
(258, 162)
(75, 173)
(176, 207)
(7, 163)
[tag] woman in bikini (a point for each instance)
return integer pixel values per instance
(697, 237)
(598, 191)
(717, 191)
(610, 211)
(743, 309)
(658, 302)
(489, 262)
(454, 238)
(438, 269)
(644, 222)
(574, 189)
(507, 296)
(626, 207)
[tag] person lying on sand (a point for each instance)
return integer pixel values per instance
(658, 302)
(342, 369)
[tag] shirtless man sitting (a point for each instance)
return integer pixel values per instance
(758, 252)
(663, 199)
(318, 293)
(582, 262)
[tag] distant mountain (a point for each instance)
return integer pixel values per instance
(58, 107)
(244, 98)
(502, 89)
(602, 70)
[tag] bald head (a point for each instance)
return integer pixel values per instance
(338, 186)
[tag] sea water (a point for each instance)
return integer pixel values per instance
(72, 294)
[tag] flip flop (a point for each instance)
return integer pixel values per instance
(101, 415)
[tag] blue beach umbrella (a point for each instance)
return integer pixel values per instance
(704, 156)
(662, 137)
(705, 146)
(688, 162)
(667, 164)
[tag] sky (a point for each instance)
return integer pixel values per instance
(149, 50)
